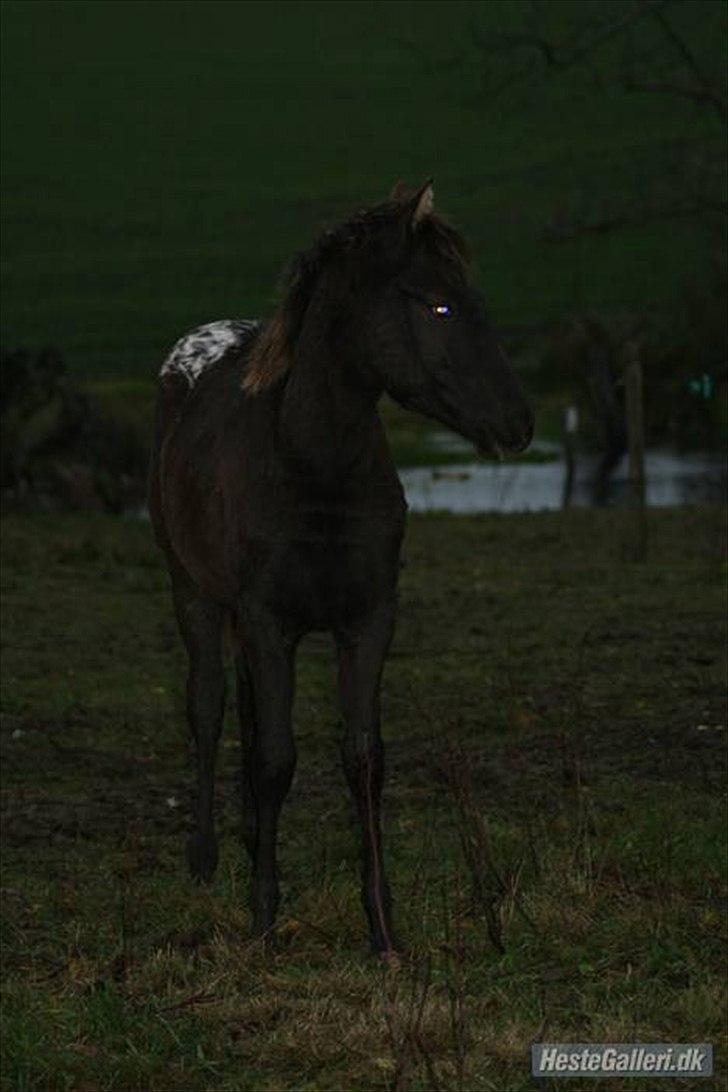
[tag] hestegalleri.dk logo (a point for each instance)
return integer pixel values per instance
(624, 1059)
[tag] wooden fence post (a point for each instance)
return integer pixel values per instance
(636, 444)
(570, 426)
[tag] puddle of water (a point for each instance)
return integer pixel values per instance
(672, 479)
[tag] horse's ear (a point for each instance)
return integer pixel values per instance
(400, 191)
(422, 204)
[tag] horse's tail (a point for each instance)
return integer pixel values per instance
(172, 392)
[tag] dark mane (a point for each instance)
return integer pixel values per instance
(362, 250)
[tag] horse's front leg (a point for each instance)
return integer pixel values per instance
(271, 754)
(361, 660)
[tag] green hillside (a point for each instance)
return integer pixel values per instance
(163, 159)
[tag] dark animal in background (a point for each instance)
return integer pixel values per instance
(59, 446)
(275, 499)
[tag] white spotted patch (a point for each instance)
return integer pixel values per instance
(202, 346)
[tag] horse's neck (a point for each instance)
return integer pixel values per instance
(328, 422)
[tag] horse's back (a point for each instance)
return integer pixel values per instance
(196, 355)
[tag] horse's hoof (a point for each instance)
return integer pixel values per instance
(265, 941)
(391, 958)
(263, 928)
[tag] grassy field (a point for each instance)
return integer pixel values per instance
(163, 159)
(555, 721)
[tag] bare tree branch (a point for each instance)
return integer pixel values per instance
(554, 56)
(652, 75)
(564, 231)
(706, 91)
(666, 65)
(558, 57)
(696, 94)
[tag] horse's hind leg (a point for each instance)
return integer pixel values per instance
(246, 721)
(271, 752)
(201, 622)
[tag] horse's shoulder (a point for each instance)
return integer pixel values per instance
(196, 350)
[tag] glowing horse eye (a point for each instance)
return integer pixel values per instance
(442, 309)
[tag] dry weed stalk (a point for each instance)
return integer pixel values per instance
(493, 892)
(403, 1019)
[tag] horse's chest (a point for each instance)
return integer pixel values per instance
(328, 577)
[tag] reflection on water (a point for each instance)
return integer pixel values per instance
(672, 478)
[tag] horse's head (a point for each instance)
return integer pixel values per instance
(430, 341)
(387, 302)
